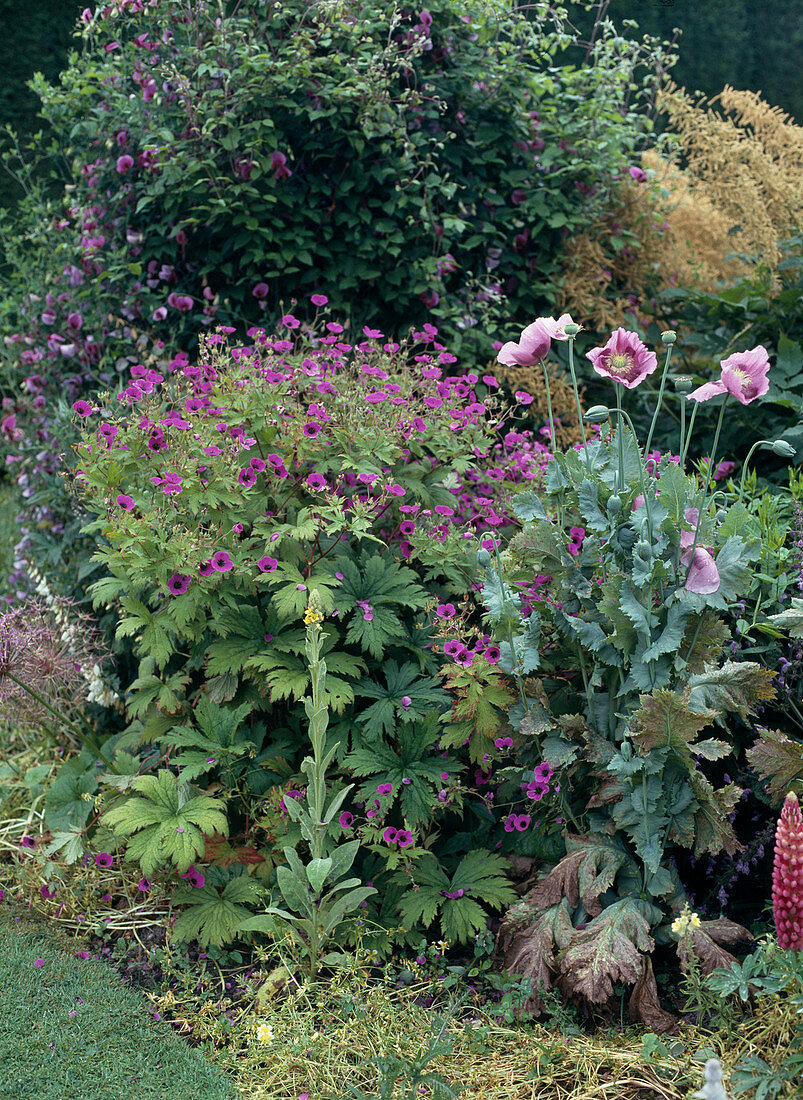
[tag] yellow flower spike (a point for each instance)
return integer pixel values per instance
(314, 612)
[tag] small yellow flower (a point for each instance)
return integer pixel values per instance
(686, 920)
(265, 1033)
(441, 945)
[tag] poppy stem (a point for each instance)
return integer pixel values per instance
(577, 403)
(621, 440)
(660, 400)
(708, 474)
(549, 409)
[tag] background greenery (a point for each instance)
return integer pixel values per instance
(723, 41)
(737, 42)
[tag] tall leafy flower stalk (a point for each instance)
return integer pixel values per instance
(320, 893)
(787, 876)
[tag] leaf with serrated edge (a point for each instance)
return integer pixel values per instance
(778, 759)
(528, 943)
(609, 949)
(584, 874)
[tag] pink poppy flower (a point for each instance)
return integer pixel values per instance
(534, 342)
(624, 359)
(703, 575)
(744, 375)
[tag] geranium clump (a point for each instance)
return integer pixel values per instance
(787, 876)
(267, 471)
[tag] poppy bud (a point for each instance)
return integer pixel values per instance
(597, 414)
(783, 449)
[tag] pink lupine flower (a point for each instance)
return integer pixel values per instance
(624, 359)
(744, 375)
(787, 876)
(534, 342)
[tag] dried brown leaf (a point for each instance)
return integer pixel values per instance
(778, 759)
(528, 943)
(705, 943)
(609, 949)
(584, 874)
(645, 1006)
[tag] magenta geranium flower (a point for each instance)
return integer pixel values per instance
(744, 375)
(534, 342)
(125, 502)
(390, 835)
(221, 561)
(196, 877)
(267, 564)
(178, 584)
(624, 359)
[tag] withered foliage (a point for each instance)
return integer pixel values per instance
(705, 944)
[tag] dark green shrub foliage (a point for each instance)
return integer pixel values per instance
(407, 164)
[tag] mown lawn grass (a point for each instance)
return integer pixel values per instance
(71, 1030)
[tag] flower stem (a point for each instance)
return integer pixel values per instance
(660, 399)
(760, 443)
(704, 490)
(577, 403)
(688, 435)
(549, 410)
(682, 427)
(621, 440)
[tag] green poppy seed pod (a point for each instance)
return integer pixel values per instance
(483, 557)
(571, 330)
(683, 385)
(614, 505)
(643, 551)
(597, 414)
(783, 449)
(668, 337)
